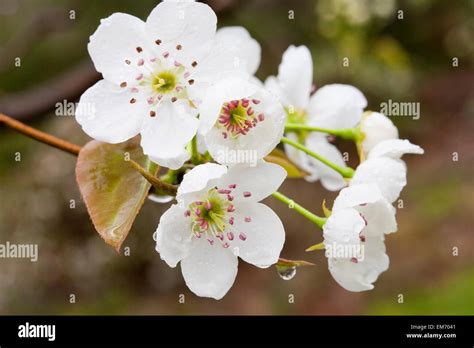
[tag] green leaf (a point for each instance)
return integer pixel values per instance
(279, 157)
(319, 246)
(112, 190)
(326, 211)
(282, 263)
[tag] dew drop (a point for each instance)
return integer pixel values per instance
(155, 236)
(286, 273)
(160, 198)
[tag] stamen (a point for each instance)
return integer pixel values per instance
(158, 42)
(150, 100)
(211, 242)
(231, 220)
(134, 90)
(194, 64)
(152, 113)
(132, 101)
(362, 238)
(230, 236)
(166, 54)
(208, 206)
(261, 117)
(191, 81)
(225, 245)
(123, 84)
(242, 236)
(141, 62)
(247, 194)
(232, 186)
(139, 49)
(178, 47)
(255, 101)
(139, 77)
(127, 62)
(224, 191)
(230, 198)
(186, 74)
(173, 99)
(354, 260)
(248, 219)
(187, 213)
(362, 216)
(230, 209)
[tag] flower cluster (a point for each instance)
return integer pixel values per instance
(190, 92)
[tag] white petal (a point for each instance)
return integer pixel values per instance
(189, 24)
(342, 228)
(367, 199)
(259, 140)
(116, 40)
(199, 179)
(376, 128)
(165, 136)
(106, 114)
(360, 276)
(248, 48)
(264, 235)
(209, 270)
(216, 95)
(330, 179)
(387, 173)
(394, 148)
(261, 180)
(271, 84)
(295, 76)
(173, 236)
(336, 106)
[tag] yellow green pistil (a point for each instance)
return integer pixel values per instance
(237, 117)
(164, 82)
(297, 116)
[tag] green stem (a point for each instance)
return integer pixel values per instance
(195, 156)
(320, 221)
(346, 172)
(347, 134)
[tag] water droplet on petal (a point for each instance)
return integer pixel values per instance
(286, 273)
(155, 236)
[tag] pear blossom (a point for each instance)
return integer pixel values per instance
(334, 106)
(354, 236)
(219, 218)
(385, 167)
(155, 73)
(241, 122)
(375, 128)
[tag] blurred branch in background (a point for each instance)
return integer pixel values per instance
(39, 99)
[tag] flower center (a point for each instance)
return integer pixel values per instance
(213, 216)
(238, 117)
(159, 77)
(164, 82)
(209, 214)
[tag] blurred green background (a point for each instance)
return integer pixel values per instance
(400, 50)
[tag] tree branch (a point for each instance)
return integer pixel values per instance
(75, 149)
(40, 136)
